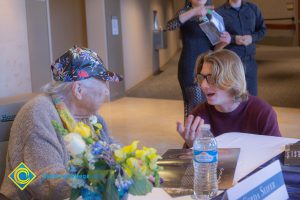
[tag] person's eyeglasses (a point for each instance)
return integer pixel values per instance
(208, 78)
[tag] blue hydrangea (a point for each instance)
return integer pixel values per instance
(87, 194)
(97, 148)
(123, 186)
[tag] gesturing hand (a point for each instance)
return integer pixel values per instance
(191, 129)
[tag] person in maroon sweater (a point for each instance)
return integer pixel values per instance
(229, 108)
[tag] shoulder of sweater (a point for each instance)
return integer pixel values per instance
(41, 103)
(36, 112)
(259, 104)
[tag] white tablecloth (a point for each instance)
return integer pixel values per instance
(255, 150)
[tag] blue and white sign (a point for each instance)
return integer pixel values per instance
(267, 183)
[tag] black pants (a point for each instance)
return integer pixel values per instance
(250, 66)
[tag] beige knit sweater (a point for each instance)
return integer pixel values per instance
(34, 141)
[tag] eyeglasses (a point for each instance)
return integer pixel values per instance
(208, 78)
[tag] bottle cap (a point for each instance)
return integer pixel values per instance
(209, 11)
(205, 127)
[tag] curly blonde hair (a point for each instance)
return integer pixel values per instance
(227, 72)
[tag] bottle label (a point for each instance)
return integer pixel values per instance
(205, 156)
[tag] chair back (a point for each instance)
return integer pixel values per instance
(9, 107)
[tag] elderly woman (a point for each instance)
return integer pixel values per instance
(229, 108)
(79, 88)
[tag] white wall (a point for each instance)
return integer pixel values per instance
(38, 43)
(166, 12)
(137, 17)
(14, 62)
(96, 28)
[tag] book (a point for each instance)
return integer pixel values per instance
(178, 171)
(292, 154)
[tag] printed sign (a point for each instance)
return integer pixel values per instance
(268, 183)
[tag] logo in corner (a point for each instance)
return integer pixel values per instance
(22, 176)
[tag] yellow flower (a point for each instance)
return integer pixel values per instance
(98, 126)
(119, 155)
(83, 129)
(145, 170)
(149, 150)
(132, 163)
(128, 172)
(141, 154)
(131, 148)
(154, 157)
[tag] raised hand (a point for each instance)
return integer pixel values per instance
(191, 129)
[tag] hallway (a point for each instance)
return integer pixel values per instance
(279, 78)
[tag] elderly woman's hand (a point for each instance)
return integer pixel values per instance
(191, 129)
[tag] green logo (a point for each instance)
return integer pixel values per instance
(22, 176)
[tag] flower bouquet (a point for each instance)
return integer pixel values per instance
(102, 170)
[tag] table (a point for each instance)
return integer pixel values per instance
(251, 157)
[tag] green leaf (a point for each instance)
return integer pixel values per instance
(89, 140)
(101, 164)
(140, 186)
(111, 192)
(98, 176)
(59, 128)
(75, 193)
(157, 179)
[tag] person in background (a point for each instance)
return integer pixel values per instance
(194, 42)
(245, 23)
(79, 88)
(229, 107)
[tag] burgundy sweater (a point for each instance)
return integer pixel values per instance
(252, 116)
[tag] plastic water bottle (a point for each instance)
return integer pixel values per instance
(205, 164)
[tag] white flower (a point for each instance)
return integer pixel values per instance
(93, 119)
(75, 144)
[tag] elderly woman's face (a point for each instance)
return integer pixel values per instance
(214, 95)
(95, 95)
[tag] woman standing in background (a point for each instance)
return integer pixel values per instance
(194, 42)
